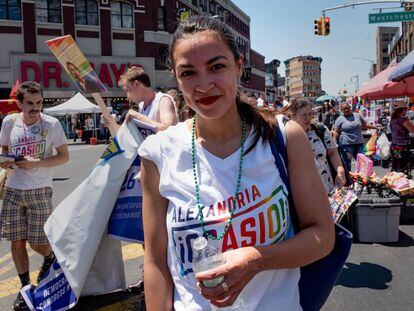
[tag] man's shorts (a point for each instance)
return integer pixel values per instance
(24, 213)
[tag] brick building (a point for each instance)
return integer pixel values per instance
(402, 42)
(112, 34)
(384, 36)
(303, 77)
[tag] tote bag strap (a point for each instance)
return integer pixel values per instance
(318, 278)
(278, 147)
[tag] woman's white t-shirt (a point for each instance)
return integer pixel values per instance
(261, 216)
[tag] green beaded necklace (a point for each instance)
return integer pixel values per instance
(197, 187)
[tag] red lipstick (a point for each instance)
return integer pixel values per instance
(208, 100)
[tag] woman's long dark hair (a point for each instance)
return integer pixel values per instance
(264, 120)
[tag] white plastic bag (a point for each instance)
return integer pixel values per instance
(383, 147)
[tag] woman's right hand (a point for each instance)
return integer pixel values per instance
(239, 269)
(6, 165)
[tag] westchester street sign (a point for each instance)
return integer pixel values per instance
(391, 17)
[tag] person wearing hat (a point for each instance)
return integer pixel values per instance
(401, 127)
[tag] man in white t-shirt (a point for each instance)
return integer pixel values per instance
(30, 137)
(155, 109)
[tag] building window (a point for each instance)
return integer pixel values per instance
(220, 12)
(48, 11)
(121, 15)
(10, 9)
(212, 8)
(203, 5)
(160, 18)
(86, 12)
(161, 59)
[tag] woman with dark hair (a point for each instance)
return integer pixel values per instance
(326, 115)
(323, 146)
(215, 176)
(401, 127)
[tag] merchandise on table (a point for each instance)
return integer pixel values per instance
(341, 200)
(364, 165)
(399, 182)
(396, 181)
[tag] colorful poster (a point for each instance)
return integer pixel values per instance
(75, 64)
(125, 223)
(340, 202)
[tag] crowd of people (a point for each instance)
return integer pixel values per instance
(210, 160)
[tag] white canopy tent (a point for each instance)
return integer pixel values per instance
(77, 104)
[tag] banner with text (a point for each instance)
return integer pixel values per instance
(126, 219)
(52, 294)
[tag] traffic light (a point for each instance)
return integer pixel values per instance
(326, 26)
(318, 26)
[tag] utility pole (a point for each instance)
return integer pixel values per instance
(356, 77)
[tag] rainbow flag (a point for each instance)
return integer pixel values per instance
(371, 145)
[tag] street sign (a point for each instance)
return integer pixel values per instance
(391, 17)
(184, 15)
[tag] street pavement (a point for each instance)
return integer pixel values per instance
(376, 277)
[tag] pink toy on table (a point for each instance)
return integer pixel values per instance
(364, 165)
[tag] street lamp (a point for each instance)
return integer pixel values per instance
(365, 59)
(372, 69)
(356, 77)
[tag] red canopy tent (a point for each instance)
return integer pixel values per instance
(380, 87)
(8, 106)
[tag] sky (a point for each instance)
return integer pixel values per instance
(281, 29)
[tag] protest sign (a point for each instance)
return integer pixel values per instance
(75, 64)
(53, 292)
(81, 72)
(126, 219)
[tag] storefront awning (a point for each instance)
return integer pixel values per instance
(380, 87)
